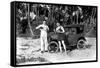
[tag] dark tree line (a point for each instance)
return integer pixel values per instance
(28, 16)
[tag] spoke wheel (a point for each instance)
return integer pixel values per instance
(81, 44)
(53, 47)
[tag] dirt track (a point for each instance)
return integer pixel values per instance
(30, 48)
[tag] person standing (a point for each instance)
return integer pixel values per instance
(60, 30)
(43, 36)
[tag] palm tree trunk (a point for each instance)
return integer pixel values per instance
(29, 21)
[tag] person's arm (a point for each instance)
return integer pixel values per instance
(38, 27)
(62, 29)
(59, 29)
(47, 28)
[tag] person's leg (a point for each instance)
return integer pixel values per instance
(42, 44)
(64, 45)
(60, 46)
(46, 44)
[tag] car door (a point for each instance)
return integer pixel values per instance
(73, 36)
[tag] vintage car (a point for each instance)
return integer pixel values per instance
(73, 38)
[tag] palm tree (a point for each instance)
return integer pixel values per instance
(29, 20)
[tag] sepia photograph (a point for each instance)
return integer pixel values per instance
(47, 33)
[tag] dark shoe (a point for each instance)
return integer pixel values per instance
(46, 51)
(42, 51)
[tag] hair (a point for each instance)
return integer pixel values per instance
(58, 23)
(44, 21)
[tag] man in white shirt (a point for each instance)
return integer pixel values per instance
(43, 36)
(60, 30)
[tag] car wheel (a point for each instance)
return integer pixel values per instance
(53, 47)
(81, 44)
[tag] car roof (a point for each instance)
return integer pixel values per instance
(73, 26)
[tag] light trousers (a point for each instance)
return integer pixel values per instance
(44, 43)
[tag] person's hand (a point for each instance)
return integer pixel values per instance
(54, 30)
(59, 31)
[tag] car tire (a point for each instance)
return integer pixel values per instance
(53, 47)
(81, 44)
